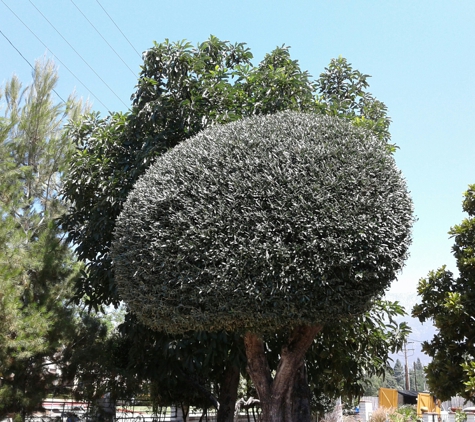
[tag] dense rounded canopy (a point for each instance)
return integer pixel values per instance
(261, 224)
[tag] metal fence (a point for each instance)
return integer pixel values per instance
(70, 411)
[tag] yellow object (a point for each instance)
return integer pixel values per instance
(425, 403)
(388, 398)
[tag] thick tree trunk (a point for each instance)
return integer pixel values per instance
(228, 394)
(281, 400)
(301, 396)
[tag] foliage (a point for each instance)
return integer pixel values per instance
(399, 374)
(182, 90)
(417, 377)
(342, 92)
(344, 355)
(262, 224)
(405, 413)
(187, 367)
(460, 416)
(91, 361)
(449, 301)
(375, 382)
(37, 268)
(395, 378)
(379, 415)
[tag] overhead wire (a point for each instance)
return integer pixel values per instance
(117, 26)
(79, 55)
(56, 57)
(112, 48)
(26, 60)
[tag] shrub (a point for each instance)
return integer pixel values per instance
(265, 223)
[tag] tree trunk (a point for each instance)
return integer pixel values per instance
(228, 394)
(284, 398)
(301, 396)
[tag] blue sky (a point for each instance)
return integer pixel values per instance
(420, 55)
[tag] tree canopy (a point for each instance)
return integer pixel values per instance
(181, 90)
(261, 224)
(449, 302)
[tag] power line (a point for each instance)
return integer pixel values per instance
(90, 67)
(417, 341)
(24, 58)
(112, 20)
(18, 51)
(112, 48)
(56, 57)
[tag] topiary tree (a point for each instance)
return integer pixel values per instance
(268, 224)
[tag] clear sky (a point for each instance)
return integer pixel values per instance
(421, 55)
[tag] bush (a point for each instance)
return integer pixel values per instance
(261, 224)
(379, 415)
(406, 413)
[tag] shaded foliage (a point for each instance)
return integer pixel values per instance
(345, 355)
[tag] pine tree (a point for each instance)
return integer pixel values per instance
(417, 376)
(36, 266)
(399, 374)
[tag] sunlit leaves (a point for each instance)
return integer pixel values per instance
(36, 267)
(181, 90)
(449, 302)
(261, 224)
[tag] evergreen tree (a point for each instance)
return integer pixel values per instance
(417, 376)
(37, 267)
(399, 374)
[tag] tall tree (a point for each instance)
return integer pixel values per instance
(448, 301)
(37, 268)
(417, 376)
(267, 225)
(399, 374)
(182, 90)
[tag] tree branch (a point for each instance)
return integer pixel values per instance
(257, 364)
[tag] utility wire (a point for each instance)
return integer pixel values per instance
(112, 48)
(90, 67)
(24, 58)
(56, 57)
(112, 20)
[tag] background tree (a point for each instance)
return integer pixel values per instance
(449, 302)
(263, 226)
(37, 268)
(375, 382)
(417, 376)
(399, 374)
(182, 90)
(342, 92)
(350, 357)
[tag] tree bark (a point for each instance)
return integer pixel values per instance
(228, 394)
(281, 400)
(302, 396)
